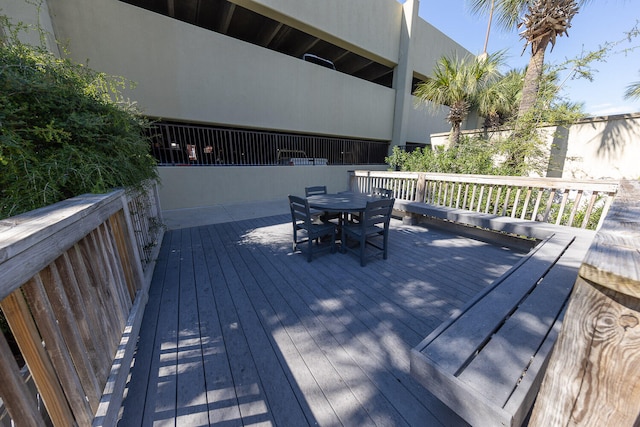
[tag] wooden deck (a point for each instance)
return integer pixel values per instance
(239, 330)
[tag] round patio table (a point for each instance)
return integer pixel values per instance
(341, 202)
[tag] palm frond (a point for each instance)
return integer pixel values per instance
(633, 91)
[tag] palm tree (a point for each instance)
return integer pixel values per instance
(456, 83)
(633, 91)
(498, 102)
(541, 21)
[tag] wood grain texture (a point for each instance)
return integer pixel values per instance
(64, 316)
(29, 245)
(16, 397)
(592, 377)
(614, 258)
(52, 335)
(26, 334)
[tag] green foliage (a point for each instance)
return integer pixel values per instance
(65, 130)
(470, 156)
(458, 83)
(632, 91)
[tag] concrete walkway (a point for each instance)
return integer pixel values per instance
(194, 217)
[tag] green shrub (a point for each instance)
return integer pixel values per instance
(65, 130)
(469, 156)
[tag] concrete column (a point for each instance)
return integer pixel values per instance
(403, 74)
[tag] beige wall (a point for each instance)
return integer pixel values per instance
(606, 147)
(183, 72)
(429, 45)
(191, 186)
(188, 73)
(593, 148)
(422, 119)
(34, 16)
(367, 27)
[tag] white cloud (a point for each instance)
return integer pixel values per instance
(609, 109)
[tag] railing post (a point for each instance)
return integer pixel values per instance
(411, 218)
(351, 185)
(592, 375)
(421, 188)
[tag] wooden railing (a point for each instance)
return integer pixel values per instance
(73, 285)
(592, 378)
(574, 203)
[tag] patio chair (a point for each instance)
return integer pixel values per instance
(315, 190)
(372, 230)
(375, 191)
(305, 230)
(382, 192)
(324, 216)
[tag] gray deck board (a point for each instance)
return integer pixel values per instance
(240, 331)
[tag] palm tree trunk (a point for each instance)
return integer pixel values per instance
(454, 135)
(530, 87)
(532, 77)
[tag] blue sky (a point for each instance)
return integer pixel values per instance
(597, 22)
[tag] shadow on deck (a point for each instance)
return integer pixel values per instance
(239, 330)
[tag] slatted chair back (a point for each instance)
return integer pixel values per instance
(374, 223)
(377, 214)
(321, 215)
(315, 190)
(382, 192)
(377, 192)
(305, 230)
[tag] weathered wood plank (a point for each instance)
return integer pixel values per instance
(253, 404)
(16, 397)
(80, 299)
(26, 334)
(322, 364)
(360, 280)
(144, 378)
(68, 324)
(221, 397)
(162, 407)
(83, 399)
(100, 325)
(613, 260)
(366, 339)
(591, 379)
(112, 395)
(90, 261)
(275, 384)
(116, 282)
(191, 405)
(478, 323)
(329, 328)
(29, 244)
(498, 369)
(126, 249)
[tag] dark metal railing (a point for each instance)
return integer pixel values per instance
(180, 144)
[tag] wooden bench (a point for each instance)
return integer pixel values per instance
(487, 361)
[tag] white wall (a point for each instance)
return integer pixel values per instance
(593, 148)
(605, 147)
